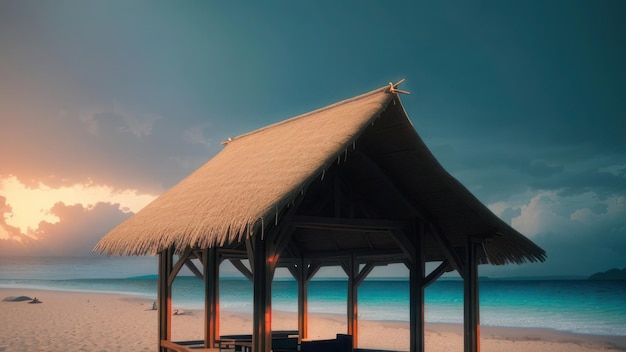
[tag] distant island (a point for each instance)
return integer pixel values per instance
(612, 274)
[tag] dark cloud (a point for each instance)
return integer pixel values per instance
(595, 248)
(108, 146)
(495, 173)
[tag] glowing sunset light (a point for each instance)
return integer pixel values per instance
(4, 234)
(31, 206)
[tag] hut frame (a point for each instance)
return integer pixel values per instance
(373, 195)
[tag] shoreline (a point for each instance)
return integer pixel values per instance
(111, 321)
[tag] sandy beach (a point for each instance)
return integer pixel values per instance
(77, 321)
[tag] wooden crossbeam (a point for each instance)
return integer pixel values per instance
(447, 249)
(367, 269)
(250, 251)
(179, 264)
(194, 269)
(227, 253)
(312, 270)
(366, 255)
(435, 274)
(243, 269)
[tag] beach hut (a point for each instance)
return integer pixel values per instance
(349, 185)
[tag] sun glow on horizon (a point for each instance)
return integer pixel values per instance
(32, 205)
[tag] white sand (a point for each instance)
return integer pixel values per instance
(107, 322)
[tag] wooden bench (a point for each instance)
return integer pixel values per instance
(285, 340)
(343, 343)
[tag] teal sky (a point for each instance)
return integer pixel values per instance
(523, 101)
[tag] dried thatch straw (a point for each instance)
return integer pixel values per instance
(233, 194)
(257, 175)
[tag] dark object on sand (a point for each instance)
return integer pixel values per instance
(35, 300)
(16, 299)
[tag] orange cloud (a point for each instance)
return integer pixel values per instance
(76, 232)
(31, 204)
(12, 241)
(38, 219)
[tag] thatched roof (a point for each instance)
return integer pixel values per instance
(258, 175)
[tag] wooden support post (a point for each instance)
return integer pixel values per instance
(471, 304)
(303, 299)
(351, 268)
(303, 303)
(417, 272)
(262, 306)
(303, 273)
(164, 296)
(355, 277)
(211, 262)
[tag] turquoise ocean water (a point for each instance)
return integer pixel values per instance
(579, 306)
